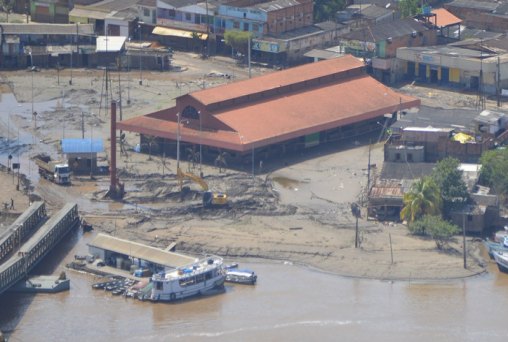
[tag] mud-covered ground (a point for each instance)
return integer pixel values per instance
(296, 209)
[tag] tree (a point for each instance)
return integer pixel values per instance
(440, 230)
(423, 198)
(409, 8)
(494, 170)
(326, 9)
(238, 40)
(449, 179)
(6, 6)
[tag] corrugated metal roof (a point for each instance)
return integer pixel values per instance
(82, 146)
(137, 250)
(110, 43)
(381, 31)
(276, 5)
(54, 29)
(89, 12)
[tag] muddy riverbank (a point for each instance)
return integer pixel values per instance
(297, 209)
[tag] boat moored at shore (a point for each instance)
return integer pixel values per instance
(198, 278)
(501, 261)
(241, 276)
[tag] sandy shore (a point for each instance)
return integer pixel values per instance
(297, 210)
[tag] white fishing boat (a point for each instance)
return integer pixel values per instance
(241, 276)
(201, 277)
(501, 260)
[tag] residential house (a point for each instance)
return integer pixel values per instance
(45, 45)
(290, 47)
(114, 17)
(473, 64)
(385, 197)
(448, 25)
(359, 15)
(267, 18)
(379, 43)
(487, 15)
(430, 134)
(186, 24)
(50, 11)
(147, 11)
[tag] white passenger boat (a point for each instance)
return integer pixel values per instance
(501, 260)
(203, 276)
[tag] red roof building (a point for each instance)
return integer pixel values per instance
(306, 105)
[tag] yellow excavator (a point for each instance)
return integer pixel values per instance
(210, 199)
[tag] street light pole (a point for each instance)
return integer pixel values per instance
(248, 54)
(178, 143)
(200, 146)
(91, 148)
(140, 49)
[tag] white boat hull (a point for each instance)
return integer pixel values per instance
(501, 261)
(197, 279)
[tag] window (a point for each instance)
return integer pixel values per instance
(146, 12)
(470, 218)
(171, 13)
(246, 26)
(158, 285)
(397, 156)
(236, 24)
(410, 157)
(188, 17)
(255, 27)
(190, 113)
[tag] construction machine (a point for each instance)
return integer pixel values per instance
(210, 198)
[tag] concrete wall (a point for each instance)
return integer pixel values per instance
(404, 153)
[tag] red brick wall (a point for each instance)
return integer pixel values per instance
(480, 20)
(287, 19)
(427, 38)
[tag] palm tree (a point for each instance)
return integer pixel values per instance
(423, 198)
(220, 161)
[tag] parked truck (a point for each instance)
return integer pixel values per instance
(53, 170)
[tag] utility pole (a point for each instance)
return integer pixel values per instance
(248, 55)
(464, 237)
(498, 88)
(82, 125)
(368, 172)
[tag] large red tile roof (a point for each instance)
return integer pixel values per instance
(288, 117)
(276, 79)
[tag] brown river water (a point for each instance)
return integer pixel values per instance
(289, 303)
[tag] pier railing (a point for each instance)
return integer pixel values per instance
(31, 252)
(23, 227)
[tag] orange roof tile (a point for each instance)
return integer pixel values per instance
(287, 117)
(277, 79)
(444, 18)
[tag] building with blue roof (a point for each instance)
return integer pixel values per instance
(82, 154)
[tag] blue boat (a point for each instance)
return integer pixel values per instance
(493, 246)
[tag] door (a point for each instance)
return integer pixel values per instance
(445, 75)
(474, 83)
(433, 75)
(410, 75)
(422, 72)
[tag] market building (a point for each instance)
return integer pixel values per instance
(275, 114)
